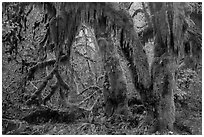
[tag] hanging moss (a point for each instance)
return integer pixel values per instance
(105, 19)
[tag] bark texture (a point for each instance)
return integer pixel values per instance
(115, 86)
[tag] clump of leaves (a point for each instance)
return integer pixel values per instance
(188, 86)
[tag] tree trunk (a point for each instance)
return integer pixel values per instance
(115, 87)
(163, 90)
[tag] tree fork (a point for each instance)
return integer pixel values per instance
(53, 89)
(37, 95)
(44, 64)
(61, 81)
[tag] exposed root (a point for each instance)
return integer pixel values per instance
(61, 81)
(36, 97)
(86, 57)
(43, 64)
(53, 89)
(91, 87)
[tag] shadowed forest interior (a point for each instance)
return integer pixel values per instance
(102, 68)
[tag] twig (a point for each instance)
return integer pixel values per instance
(33, 85)
(61, 81)
(76, 75)
(45, 81)
(130, 5)
(43, 64)
(94, 103)
(137, 11)
(87, 98)
(29, 11)
(40, 80)
(91, 87)
(99, 78)
(86, 57)
(82, 45)
(53, 89)
(9, 85)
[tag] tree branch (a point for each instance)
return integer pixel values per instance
(39, 90)
(43, 64)
(86, 57)
(91, 87)
(137, 11)
(76, 75)
(88, 98)
(33, 85)
(53, 89)
(130, 5)
(61, 81)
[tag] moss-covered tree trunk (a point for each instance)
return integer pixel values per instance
(170, 29)
(108, 20)
(115, 86)
(163, 92)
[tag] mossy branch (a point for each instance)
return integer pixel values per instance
(36, 95)
(43, 64)
(61, 81)
(88, 97)
(53, 89)
(91, 87)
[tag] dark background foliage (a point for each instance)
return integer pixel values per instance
(24, 45)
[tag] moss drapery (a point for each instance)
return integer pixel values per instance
(107, 19)
(173, 37)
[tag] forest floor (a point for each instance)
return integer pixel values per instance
(188, 122)
(18, 118)
(46, 121)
